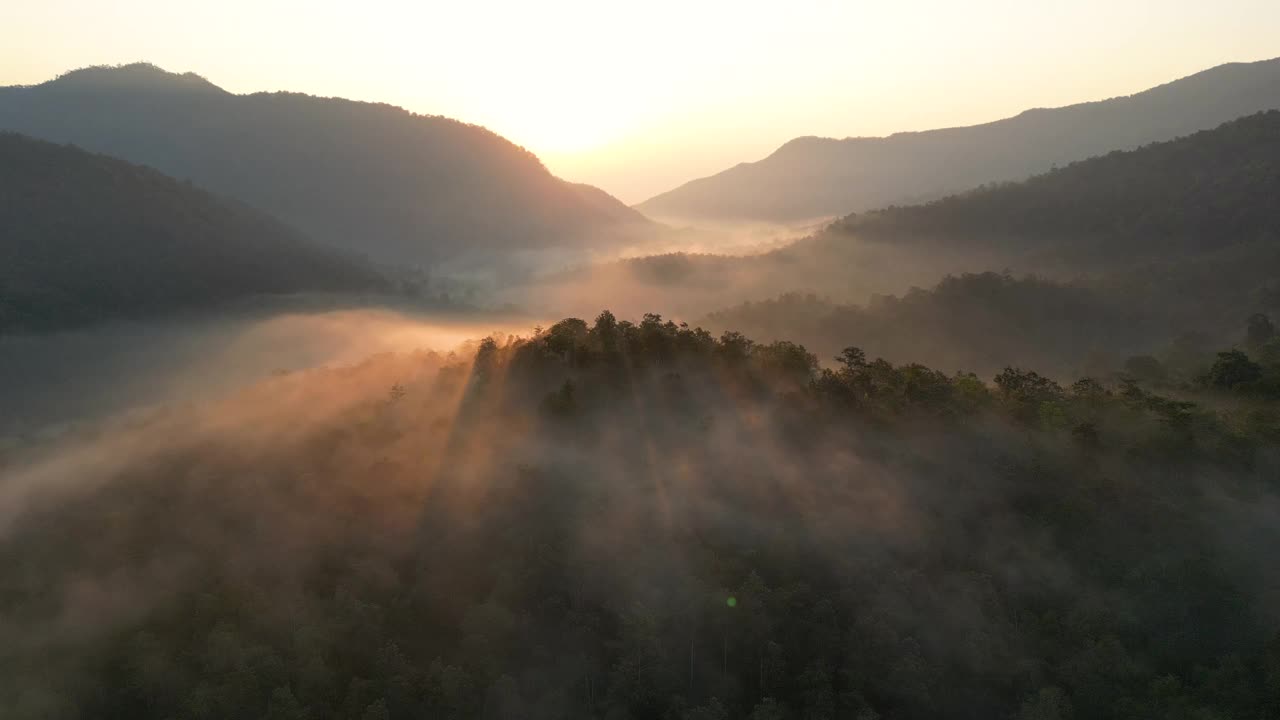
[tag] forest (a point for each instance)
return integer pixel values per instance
(1137, 252)
(621, 519)
(308, 408)
(973, 321)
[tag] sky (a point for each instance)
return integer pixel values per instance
(639, 97)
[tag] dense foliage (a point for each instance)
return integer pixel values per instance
(639, 520)
(85, 237)
(361, 176)
(972, 321)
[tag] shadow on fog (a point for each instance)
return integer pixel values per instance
(48, 381)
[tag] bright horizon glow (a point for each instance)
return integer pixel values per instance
(638, 98)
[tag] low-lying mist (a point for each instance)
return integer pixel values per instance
(631, 520)
(57, 378)
(690, 284)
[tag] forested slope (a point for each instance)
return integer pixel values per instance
(642, 520)
(1126, 252)
(1201, 193)
(86, 237)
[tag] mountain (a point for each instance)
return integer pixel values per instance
(1173, 238)
(360, 176)
(86, 237)
(1199, 194)
(1130, 249)
(813, 177)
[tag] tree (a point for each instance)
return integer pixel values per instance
(566, 335)
(1232, 369)
(1026, 384)
(486, 360)
(1026, 392)
(734, 348)
(1088, 390)
(852, 359)
(786, 360)
(605, 331)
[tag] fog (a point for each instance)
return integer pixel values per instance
(85, 405)
(551, 524)
(55, 378)
(313, 408)
(690, 284)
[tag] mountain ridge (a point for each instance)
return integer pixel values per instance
(85, 237)
(369, 177)
(1209, 184)
(1124, 253)
(811, 176)
(135, 75)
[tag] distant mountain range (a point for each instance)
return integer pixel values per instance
(1198, 194)
(813, 177)
(372, 178)
(86, 237)
(1175, 237)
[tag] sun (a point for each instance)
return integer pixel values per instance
(565, 118)
(561, 132)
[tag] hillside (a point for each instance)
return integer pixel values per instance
(1200, 193)
(365, 177)
(418, 536)
(1145, 245)
(973, 322)
(86, 237)
(814, 177)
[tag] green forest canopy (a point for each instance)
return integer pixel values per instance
(641, 520)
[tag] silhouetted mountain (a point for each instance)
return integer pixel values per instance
(85, 237)
(363, 176)
(814, 177)
(1199, 194)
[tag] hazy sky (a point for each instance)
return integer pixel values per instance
(640, 96)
